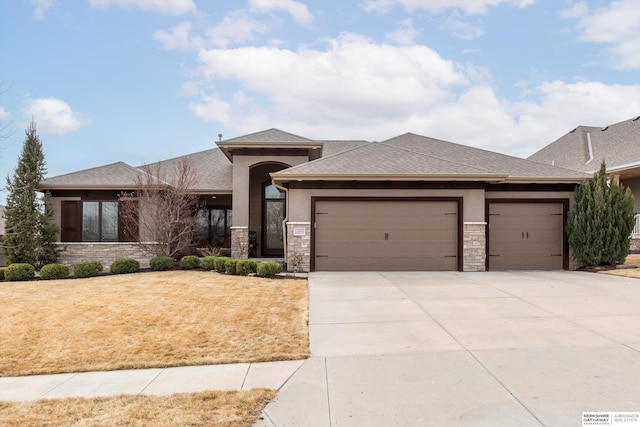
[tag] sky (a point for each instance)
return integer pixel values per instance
(144, 80)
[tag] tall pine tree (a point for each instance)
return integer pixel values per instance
(601, 221)
(29, 234)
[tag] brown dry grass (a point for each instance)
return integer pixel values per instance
(211, 408)
(149, 320)
(632, 260)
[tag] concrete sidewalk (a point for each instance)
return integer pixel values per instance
(465, 349)
(160, 381)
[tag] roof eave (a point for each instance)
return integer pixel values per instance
(545, 179)
(387, 177)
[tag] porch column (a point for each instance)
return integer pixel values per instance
(240, 205)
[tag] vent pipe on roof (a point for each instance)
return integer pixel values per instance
(590, 148)
(219, 137)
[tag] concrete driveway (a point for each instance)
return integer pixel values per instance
(472, 349)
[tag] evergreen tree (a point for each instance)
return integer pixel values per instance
(601, 221)
(29, 234)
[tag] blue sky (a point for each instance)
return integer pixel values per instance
(145, 80)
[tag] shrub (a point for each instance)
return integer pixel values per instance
(189, 262)
(54, 271)
(244, 267)
(125, 265)
(230, 265)
(19, 271)
(208, 263)
(161, 263)
(268, 268)
(87, 269)
(1, 273)
(602, 218)
(218, 264)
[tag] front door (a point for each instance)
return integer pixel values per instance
(273, 212)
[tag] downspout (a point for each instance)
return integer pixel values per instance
(284, 221)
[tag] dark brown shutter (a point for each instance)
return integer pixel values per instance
(128, 228)
(71, 221)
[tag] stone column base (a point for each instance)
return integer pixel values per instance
(474, 250)
(240, 242)
(298, 256)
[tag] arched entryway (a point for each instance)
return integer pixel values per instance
(267, 210)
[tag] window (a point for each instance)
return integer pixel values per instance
(99, 221)
(214, 224)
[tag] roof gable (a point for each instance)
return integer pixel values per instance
(267, 137)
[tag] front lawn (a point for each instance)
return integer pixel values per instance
(210, 408)
(147, 320)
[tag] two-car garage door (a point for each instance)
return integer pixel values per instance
(377, 235)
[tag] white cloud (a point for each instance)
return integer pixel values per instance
(4, 114)
(167, 7)
(459, 28)
(179, 37)
(53, 115)
(470, 7)
(355, 88)
(236, 27)
(41, 7)
(298, 11)
(616, 25)
(405, 34)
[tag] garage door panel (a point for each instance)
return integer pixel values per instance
(526, 236)
(386, 235)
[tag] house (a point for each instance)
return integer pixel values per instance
(407, 203)
(584, 148)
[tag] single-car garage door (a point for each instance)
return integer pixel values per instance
(526, 236)
(385, 235)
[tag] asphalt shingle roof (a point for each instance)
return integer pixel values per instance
(416, 155)
(268, 136)
(117, 175)
(618, 144)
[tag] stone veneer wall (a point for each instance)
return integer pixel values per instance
(474, 246)
(105, 252)
(239, 242)
(634, 245)
(298, 246)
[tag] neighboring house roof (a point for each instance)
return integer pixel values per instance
(584, 148)
(117, 175)
(412, 156)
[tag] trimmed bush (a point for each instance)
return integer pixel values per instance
(218, 264)
(207, 263)
(268, 268)
(87, 269)
(19, 271)
(189, 262)
(244, 267)
(1, 273)
(230, 266)
(54, 271)
(124, 266)
(161, 263)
